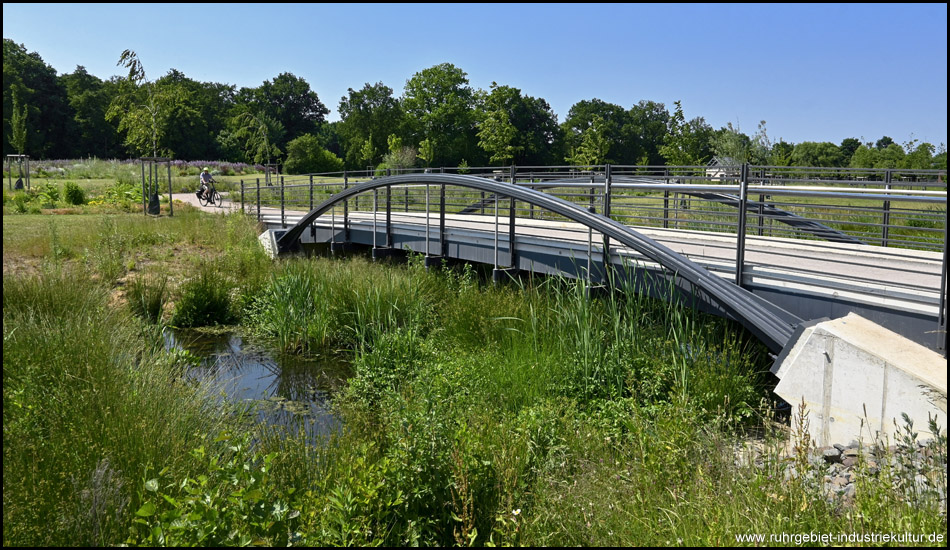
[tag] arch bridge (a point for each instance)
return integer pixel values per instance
(795, 254)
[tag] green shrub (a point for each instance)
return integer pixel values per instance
(306, 155)
(205, 300)
(75, 194)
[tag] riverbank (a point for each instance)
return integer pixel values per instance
(477, 414)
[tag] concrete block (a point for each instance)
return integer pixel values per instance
(857, 379)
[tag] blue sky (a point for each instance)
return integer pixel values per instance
(813, 72)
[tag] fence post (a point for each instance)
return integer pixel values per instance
(443, 246)
(740, 236)
(761, 215)
(311, 193)
(283, 223)
(887, 210)
(666, 199)
(346, 211)
(607, 191)
(242, 197)
(389, 220)
(512, 211)
(258, 199)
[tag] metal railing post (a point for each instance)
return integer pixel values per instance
(311, 193)
(885, 230)
(590, 234)
(740, 235)
(283, 222)
(171, 203)
(389, 219)
(346, 211)
(144, 192)
(761, 214)
(512, 212)
(496, 232)
(608, 178)
(443, 246)
(258, 199)
(666, 199)
(242, 197)
(428, 224)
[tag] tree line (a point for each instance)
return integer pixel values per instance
(439, 120)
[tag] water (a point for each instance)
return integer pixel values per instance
(286, 391)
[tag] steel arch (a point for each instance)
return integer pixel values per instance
(771, 324)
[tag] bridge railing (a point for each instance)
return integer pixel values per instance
(890, 208)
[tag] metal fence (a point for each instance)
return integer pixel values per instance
(890, 208)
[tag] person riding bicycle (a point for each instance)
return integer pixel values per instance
(205, 179)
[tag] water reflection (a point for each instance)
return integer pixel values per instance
(287, 391)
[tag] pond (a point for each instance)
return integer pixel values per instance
(286, 390)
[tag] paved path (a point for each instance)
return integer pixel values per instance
(227, 205)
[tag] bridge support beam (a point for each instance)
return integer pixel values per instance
(499, 275)
(857, 380)
(342, 247)
(380, 253)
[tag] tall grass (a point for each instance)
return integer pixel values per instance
(91, 404)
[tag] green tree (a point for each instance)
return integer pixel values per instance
(368, 151)
(146, 111)
(288, 100)
(306, 155)
(810, 153)
(520, 128)
(939, 160)
(732, 146)
(781, 154)
(848, 147)
(864, 157)
(688, 143)
(645, 132)
(496, 134)
(427, 151)
(891, 156)
(439, 104)
(257, 135)
(371, 111)
(49, 133)
(883, 143)
(18, 126)
(89, 98)
(612, 119)
(593, 148)
(399, 156)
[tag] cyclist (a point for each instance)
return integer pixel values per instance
(205, 179)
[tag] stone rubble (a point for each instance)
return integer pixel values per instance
(919, 471)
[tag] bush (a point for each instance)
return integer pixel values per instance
(205, 301)
(75, 194)
(305, 155)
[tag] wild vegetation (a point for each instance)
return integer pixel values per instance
(543, 412)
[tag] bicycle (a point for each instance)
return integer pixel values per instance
(210, 196)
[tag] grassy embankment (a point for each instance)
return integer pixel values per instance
(477, 414)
